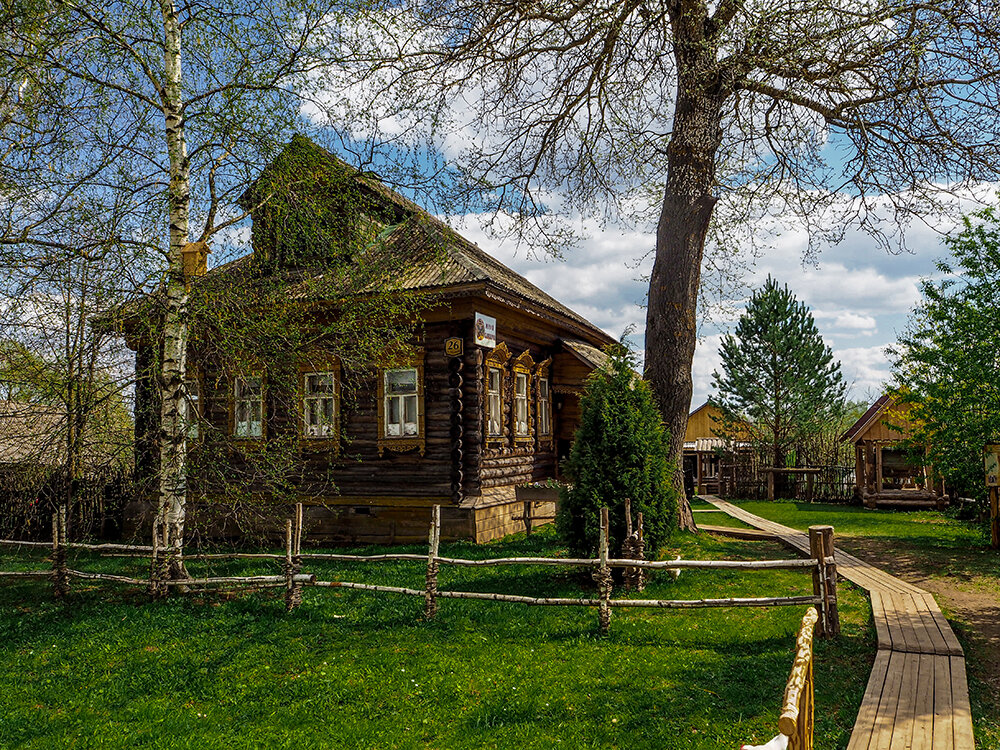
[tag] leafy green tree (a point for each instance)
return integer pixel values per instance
(621, 450)
(947, 362)
(778, 376)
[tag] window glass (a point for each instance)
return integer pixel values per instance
(493, 420)
(544, 415)
(402, 409)
(520, 403)
(249, 408)
(319, 401)
(192, 408)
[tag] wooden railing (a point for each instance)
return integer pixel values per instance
(162, 559)
(797, 711)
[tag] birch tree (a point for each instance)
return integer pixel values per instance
(150, 118)
(759, 108)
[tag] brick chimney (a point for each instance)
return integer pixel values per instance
(195, 259)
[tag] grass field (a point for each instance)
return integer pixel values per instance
(108, 669)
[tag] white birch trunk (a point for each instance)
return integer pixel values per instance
(173, 481)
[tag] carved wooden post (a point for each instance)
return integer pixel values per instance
(603, 577)
(527, 517)
(433, 544)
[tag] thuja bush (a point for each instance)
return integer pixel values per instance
(620, 451)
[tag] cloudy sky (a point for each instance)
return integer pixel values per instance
(860, 295)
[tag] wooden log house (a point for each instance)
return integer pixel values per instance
(883, 472)
(463, 425)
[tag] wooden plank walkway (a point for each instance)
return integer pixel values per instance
(918, 694)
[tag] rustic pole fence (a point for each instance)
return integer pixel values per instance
(822, 564)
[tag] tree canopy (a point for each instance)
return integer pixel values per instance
(947, 362)
(777, 375)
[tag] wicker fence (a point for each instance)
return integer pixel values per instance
(164, 559)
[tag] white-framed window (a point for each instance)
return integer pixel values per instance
(494, 403)
(191, 412)
(248, 408)
(544, 413)
(320, 392)
(402, 403)
(520, 404)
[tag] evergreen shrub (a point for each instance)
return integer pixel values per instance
(620, 451)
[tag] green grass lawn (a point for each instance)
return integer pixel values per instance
(950, 557)
(357, 670)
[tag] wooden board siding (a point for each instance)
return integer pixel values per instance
(878, 430)
(701, 425)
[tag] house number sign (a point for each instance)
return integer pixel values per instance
(453, 347)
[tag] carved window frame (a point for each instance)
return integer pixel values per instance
(497, 360)
(234, 400)
(320, 366)
(402, 443)
(523, 366)
(542, 375)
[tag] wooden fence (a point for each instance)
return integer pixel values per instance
(163, 560)
(797, 710)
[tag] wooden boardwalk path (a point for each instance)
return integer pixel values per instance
(918, 695)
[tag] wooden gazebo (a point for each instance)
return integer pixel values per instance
(884, 471)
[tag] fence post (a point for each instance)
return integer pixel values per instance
(816, 551)
(60, 579)
(830, 591)
(293, 559)
(154, 564)
(603, 577)
(770, 485)
(431, 583)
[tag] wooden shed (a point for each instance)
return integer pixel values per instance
(468, 421)
(703, 449)
(885, 473)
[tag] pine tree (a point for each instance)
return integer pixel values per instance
(778, 375)
(621, 450)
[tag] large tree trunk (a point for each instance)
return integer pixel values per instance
(688, 201)
(173, 480)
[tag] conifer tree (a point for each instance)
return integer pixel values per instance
(621, 450)
(777, 373)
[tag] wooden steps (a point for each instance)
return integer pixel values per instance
(918, 695)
